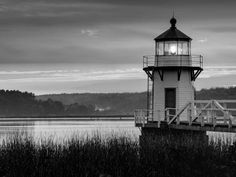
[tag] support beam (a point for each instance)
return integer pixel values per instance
(178, 114)
(161, 74)
(196, 74)
(150, 74)
(179, 73)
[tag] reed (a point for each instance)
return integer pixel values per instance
(116, 156)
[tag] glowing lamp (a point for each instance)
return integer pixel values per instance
(173, 50)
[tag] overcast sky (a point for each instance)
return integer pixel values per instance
(54, 46)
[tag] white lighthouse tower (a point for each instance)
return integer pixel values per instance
(171, 73)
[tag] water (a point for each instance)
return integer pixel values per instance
(62, 130)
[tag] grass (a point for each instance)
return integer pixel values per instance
(115, 157)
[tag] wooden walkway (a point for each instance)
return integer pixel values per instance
(184, 125)
(203, 115)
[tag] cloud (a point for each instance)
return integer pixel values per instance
(99, 75)
(219, 28)
(202, 40)
(56, 31)
(218, 71)
(89, 32)
(70, 75)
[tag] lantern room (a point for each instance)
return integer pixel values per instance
(173, 42)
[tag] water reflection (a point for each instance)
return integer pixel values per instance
(60, 131)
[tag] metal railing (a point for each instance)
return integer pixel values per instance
(173, 60)
(211, 112)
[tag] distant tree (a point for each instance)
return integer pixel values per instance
(77, 109)
(16, 103)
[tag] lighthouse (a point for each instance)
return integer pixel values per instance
(171, 105)
(171, 74)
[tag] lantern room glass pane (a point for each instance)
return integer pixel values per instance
(173, 48)
(160, 50)
(170, 48)
(183, 48)
(180, 48)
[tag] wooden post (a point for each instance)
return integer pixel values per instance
(159, 118)
(202, 120)
(189, 116)
(225, 113)
(225, 117)
(214, 121)
(208, 116)
(192, 111)
(230, 123)
(178, 120)
(168, 115)
(143, 117)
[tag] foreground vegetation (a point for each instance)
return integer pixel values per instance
(115, 157)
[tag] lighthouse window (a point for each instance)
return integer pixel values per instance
(160, 48)
(173, 49)
(180, 48)
(183, 48)
(170, 48)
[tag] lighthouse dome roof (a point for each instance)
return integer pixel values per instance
(172, 34)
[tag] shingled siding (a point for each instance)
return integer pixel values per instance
(184, 91)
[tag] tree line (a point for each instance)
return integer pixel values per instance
(16, 103)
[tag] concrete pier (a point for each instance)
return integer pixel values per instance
(175, 136)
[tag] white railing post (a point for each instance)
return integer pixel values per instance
(189, 116)
(167, 115)
(214, 121)
(178, 120)
(212, 117)
(202, 120)
(192, 111)
(159, 118)
(226, 113)
(225, 117)
(208, 115)
(143, 117)
(230, 123)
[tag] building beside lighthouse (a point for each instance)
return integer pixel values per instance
(171, 73)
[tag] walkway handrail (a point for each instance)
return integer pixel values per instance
(203, 111)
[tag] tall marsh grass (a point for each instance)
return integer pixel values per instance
(115, 157)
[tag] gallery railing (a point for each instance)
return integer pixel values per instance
(172, 61)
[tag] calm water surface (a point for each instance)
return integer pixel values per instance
(61, 130)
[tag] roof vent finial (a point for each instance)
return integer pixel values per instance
(173, 20)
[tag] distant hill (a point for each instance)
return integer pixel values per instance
(126, 103)
(108, 103)
(217, 94)
(16, 103)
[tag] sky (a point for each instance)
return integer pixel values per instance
(77, 46)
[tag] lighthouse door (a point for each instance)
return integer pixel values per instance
(170, 101)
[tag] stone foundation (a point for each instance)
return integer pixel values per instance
(173, 136)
